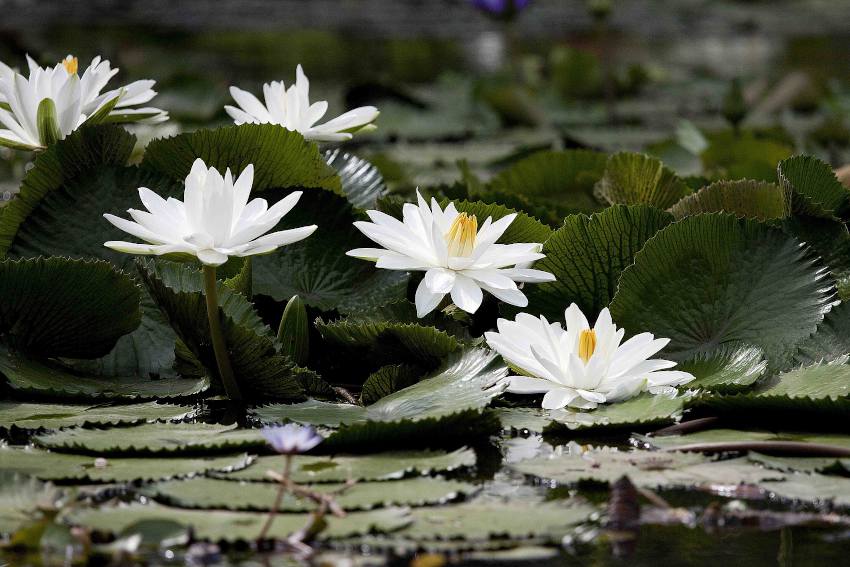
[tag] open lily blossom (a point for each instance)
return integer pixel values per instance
(457, 256)
(292, 438)
(52, 102)
(581, 366)
(291, 109)
(213, 222)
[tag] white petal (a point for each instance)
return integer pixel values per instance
(558, 398)
(466, 294)
(440, 280)
(425, 300)
(528, 385)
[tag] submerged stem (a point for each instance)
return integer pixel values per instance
(225, 371)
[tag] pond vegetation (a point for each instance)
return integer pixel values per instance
(572, 308)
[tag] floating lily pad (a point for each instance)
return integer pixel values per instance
(725, 436)
(821, 389)
(649, 469)
(492, 520)
(640, 412)
(21, 501)
(154, 438)
(733, 155)
(317, 269)
(801, 464)
(281, 157)
(36, 416)
(48, 465)
(710, 280)
(452, 400)
(386, 380)
(633, 179)
(531, 419)
(816, 488)
(340, 468)
(587, 256)
(258, 497)
(218, 525)
(744, 198)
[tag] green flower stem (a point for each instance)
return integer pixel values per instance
(225, 371)
(282, 488)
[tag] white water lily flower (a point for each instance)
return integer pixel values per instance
(51, 103)
(291, 109)
(581, 366)
(457, 257)
(214, 221)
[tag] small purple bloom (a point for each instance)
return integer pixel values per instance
(292, 438)
(501, 8)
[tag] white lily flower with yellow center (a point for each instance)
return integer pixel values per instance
(38, 110)
(215, 220)
(581, 366)
(458, 257)
(291, 109)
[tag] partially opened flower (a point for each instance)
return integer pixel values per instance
(292, 438)
(43, 108)
(457, 256)
(581, 366)
(291, 109)
(215, 220)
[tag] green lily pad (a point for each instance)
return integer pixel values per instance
(817, 192)
(731, 368)
(48, 465)
(639, 412)
(281, 157)
(821, 389)
(153, 439)
(377, 467)
(386, 380)
(260, 368)
(633, 179)
(61, 307)
(587, 256)
(533, 420)
(710, 280)
(385, 342)
(801, 464)
(59, 212)
(831, 340)
(52, 379)
(816, 488)
(452, 400)
(219, 525)
(361, 181)
(496, 520)
(649, 469)
(733, 155)
(25, 415)
(259, 496)
(21, 501)
(682, 442)
(83, 150)
(317, 269)
(561, 182)
(744, 198)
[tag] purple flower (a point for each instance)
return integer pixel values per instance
(292, 438)
(501, 8)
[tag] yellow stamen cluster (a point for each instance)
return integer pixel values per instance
(460, 238)
(71, 64)
(586, 344)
